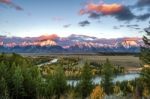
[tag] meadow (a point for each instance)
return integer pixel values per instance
(121, 60)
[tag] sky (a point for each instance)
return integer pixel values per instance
(99, 18)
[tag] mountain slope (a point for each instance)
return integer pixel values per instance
(72, 43)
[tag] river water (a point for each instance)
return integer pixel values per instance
(97, 80)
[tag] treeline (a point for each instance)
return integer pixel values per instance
(119, 53)
(20, 79)
(73, 67)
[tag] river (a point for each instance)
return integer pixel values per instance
(97, 79)
(48, 63)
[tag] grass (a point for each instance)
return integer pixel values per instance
(121, 60)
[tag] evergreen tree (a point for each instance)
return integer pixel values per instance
(145, 50)
(145, 74)
(4, 94)
(3, 70)
(47, 88)
(107, 77)
(145, 57)
(17, 82)
(32, 82)
(85, 85)
(59, 82)
(22, 79)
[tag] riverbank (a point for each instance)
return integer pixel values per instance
(97, 80)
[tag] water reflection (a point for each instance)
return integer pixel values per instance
(97, 79)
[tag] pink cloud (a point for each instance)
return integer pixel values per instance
(5, 1)
(105, 9)
(11, 4)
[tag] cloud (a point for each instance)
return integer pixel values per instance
(101, 8)
(142, 3)
(48, 37)
(67, 25)
(137, 28)
(11, 4)
(144, 16)
(147, 30)
(115, 27)
(121, 25)
(132, 25)
(94, 15)
(84, 23)
(5, 1)
(57, 18)
(124, 14)
(141, 31)
(118, 11)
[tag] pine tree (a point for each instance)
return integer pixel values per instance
(59, 82)
(145, 57)
(3, 70)
(145, 50)
(107, 77)
(85, 85)
(32, 81)
(4, 94)
(17, 82)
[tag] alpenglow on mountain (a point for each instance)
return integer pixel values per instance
(71, 44)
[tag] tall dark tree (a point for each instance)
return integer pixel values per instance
(17, 82)
(107, 77)
(85, 85)
(145, 57)
(19, 78)
(4, 94)
(32, 82)
(145, 50)
(59, 82)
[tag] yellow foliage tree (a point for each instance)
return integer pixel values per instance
(146, 93)
(116, 89)
(130, 87)
(98, 93)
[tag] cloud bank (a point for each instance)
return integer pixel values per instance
(11, 4)
(118, 11)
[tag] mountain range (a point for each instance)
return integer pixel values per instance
(71, 44)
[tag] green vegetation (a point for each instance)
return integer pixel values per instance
(145, 73)
(85, 85)
(107, 77)
(59, 82)
(73, 67)
(145, 51)
(21, 78)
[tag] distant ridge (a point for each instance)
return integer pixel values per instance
(73, 43)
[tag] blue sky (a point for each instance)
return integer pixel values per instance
(43, 17)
